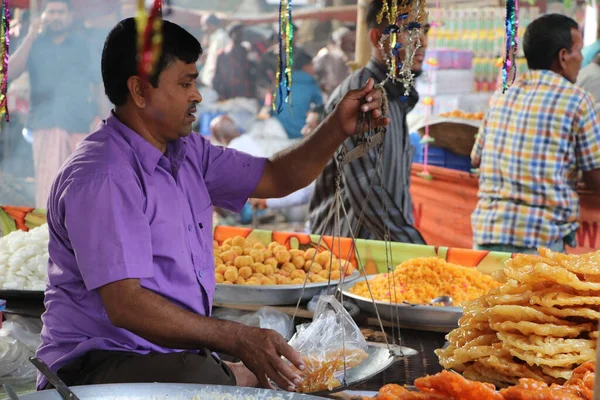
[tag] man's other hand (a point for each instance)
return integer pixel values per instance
(365, 99)
(261, 351)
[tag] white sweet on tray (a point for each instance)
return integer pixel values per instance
(24, 259)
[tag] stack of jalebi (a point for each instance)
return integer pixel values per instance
(451, 386)
(540, 324)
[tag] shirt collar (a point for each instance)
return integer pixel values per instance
(148, 155)
(544, 76)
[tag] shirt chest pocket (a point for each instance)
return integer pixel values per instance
(204, 225)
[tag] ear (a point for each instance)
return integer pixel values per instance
(374, 37)
(136, 90)
(562, 59)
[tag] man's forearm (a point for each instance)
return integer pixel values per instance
(18, 61)
(159, 321)
(298, 166)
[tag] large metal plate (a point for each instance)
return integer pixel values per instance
(167, 391)
(272, 295)
(416, 316)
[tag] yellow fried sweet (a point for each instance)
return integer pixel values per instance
(228, 256)
(298, 274)
(239, 251)
(243, 261)
(245, 272)
(297, 252)
(271, 261)
(238, 241)
(259, 268)
(220, 269)
(269, 270)
(257, 255)
(219, 278)
(247, 250)
(288, 267)
(283, 256)
(298, 261)
(240, 281)
(231, 274)
(310, 254)
(259, 246)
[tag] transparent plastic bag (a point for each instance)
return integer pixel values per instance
(265, 318)
(329, 344)
(17, 344)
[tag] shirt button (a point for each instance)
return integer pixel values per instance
(200, 274)
(190, 227)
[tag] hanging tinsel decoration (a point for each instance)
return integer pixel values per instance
(149, 33)
(4, 50)
(283, 77)
(401, 38)
(509, 67)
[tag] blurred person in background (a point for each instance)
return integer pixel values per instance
(589, 78)
(590, 51)
(331, 62)
(234, 73)
(532, 145)
(64, 101)
(217, 40)
(394, 191)
(305, 92)
(314, 117)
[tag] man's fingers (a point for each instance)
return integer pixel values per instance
(286, 371)
(372, 105)
(290, 354)
(263, 381)
(380, 122)
(279, 379)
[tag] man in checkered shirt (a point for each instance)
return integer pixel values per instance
(532, 146)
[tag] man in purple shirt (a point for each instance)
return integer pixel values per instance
(131, 274)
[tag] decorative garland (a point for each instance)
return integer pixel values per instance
(149, 33)
(5, 52)
(405, 18)
(283, 77)
(509, 67)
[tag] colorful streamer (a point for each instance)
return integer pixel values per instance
(283, 77)
(149, 30)
(406, 18)
(5, 51)
(509, 67)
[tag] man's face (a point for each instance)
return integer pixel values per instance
(419, 56)
(57, 17)
(171, 105)
(570, 61)
(311, 123)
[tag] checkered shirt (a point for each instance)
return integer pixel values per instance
(531, 147)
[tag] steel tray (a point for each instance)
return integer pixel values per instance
(416, 316)
(167, 391)
(272, 295)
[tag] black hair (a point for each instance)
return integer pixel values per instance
(545, 38)
(119, 56)
(301, 58)
(67, 2)
(375, 7)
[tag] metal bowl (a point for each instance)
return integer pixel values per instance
(167, 391)
(423, 317)
(272, 295)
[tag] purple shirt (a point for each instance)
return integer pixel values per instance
(121, 209)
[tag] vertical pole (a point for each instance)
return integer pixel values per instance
(363, 45)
